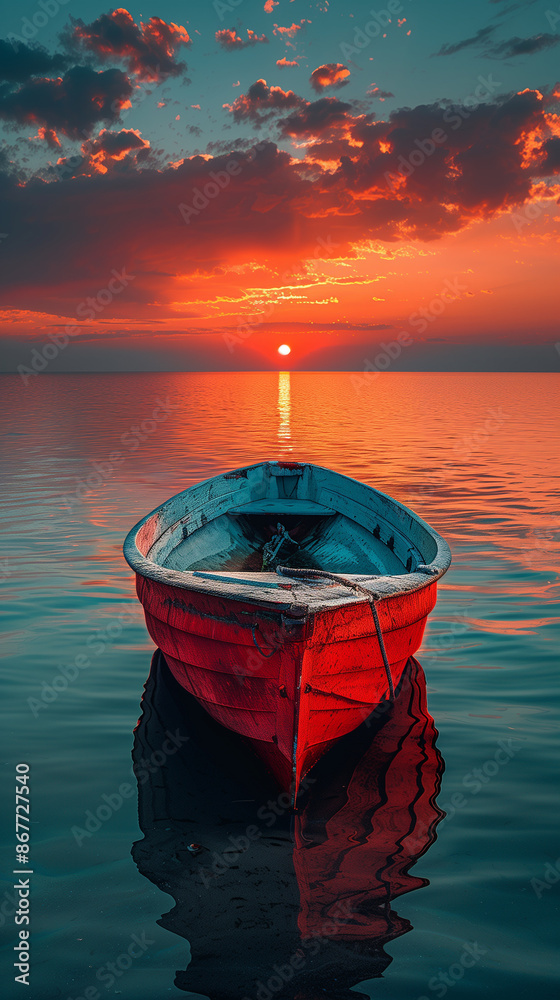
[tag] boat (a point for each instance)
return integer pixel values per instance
(287, 598)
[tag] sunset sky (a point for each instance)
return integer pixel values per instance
(190, 186)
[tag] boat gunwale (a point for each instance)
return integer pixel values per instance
(274, 596)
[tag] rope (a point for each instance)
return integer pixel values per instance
(261, 651)
(320, 574)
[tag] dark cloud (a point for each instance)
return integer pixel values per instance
(506, 49)
(72, 104)
(109, 151)
(522, 46)
(329, 75)
(466, 43)
(19, 62)
(49, 136)
(387, 180)
(149, 50)
(230, 40)
(550, 163)
(261, 102)
(315, 118)
(115, 144)
(510, 8)
(381, 95)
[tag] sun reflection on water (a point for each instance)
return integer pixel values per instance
(284, 411)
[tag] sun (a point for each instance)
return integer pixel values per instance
(284, 349)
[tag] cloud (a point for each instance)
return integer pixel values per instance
(316, 118)
(230, 40)
(289, 33)
(506, 49)
(286, 62)
(329, 75)
(451, 48)
(270, 5)
(149, 50)
(19, 62)
(71, 104)
(261, 102)
(123, 151)
(109, 147)
(511, 7)
(177, 223)
(522, 46)
(49, 136)
(550, 163)
(381, 95)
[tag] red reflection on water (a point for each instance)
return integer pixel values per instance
(356, 857)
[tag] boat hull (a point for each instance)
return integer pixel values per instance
(289, 686)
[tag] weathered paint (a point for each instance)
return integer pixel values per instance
(291, 671)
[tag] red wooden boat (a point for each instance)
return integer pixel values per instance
(287, 599)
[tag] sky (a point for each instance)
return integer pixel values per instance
(190, 186)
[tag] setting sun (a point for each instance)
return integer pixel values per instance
(284, 349)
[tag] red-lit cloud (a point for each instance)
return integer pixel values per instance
(286, 62)
(110, 148)
(330, 75)
(426, 172)
(49, 136)
(381, 95)
(149, 50)
(117, 151)
(289, 33)
(261, 102)
(230, 40)
(327, 116)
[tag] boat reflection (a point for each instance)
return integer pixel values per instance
(277, 905)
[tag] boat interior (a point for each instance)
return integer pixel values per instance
(254, 542)
(292, 514)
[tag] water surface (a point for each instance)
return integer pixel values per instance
(84, 457)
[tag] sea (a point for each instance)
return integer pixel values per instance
(158, 859)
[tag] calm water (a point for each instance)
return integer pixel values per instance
(476, 455)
